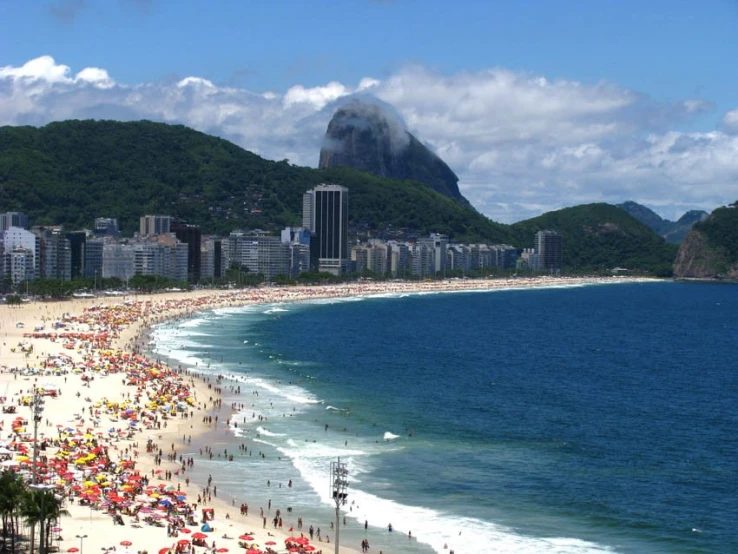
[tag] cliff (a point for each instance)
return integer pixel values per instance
(371, 138)
(710, 250)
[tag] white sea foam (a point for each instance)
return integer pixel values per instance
(275, 310)
(268, 433)
(390, 436)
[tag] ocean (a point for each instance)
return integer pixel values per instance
(581, 419)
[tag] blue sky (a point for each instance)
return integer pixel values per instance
(643, 78)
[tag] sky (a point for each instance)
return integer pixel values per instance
(535, 105)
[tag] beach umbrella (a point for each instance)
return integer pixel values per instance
(185, 530)
(270, 543)
(199, 536)
(73, 549)
(246, 537)
(183, 542)
(164, 550)
(222, 550)
(126, 543)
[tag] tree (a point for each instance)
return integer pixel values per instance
(11, 493)
(41, 507)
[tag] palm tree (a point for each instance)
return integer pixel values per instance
(41, 507)
(11, 493)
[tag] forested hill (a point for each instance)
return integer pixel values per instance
(599, 236)
(73, 171)
(710, 250)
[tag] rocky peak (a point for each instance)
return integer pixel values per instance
(370, 137)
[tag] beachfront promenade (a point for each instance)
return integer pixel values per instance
(112, 419)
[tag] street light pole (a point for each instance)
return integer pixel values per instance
(81, 541)
(339, 484)
(38, 409)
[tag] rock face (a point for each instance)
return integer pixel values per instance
(370, 138)
(673, 231)
(710, 250)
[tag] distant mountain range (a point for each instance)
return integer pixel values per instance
(673, 231)
(73, 171)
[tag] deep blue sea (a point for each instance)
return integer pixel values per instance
(572, 420)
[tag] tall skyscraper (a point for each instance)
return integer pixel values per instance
(550, 249)
(191, 235)
(326, 208)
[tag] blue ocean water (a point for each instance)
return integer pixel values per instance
(569, 420)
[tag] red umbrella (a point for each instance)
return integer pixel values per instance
(308, 548)
(199, 536)
(185, 530)
(270, 543)
(126, 543)
(246, 538)
(73, 549)
(183, 542)
(222, 550)
(164, 550)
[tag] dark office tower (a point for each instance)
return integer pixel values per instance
(328, 213)
(77, 242)
(191, 236)
(550, 250)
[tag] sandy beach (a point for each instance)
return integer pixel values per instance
(114, 423)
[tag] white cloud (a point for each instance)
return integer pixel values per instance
(520, 143)
(730, 121)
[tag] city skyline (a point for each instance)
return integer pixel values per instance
(534, 106)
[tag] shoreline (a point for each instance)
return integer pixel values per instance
(128, 322)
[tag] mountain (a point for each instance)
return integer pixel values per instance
(73, 171)
(600, 236)
(371, 138)
(673, 231)
(710, 250)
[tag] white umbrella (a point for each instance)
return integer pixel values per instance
(9, 463)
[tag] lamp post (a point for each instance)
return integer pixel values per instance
(38, 409)
(339, 484)
(81, 541)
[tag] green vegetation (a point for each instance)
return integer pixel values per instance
(721, 231)
(71, 172)
(601, 236)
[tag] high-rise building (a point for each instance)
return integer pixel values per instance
(94, 259)
(56, 253)
(77, 242)
(437, 243)
(259, 253)
(192, 237)
(118, 261)
(326, 208)
(13, 219)
(17, 239)
(154, 225)
(549, 247)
